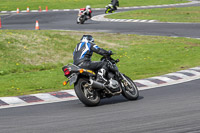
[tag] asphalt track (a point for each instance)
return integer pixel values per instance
(169, 109)
(67, 21)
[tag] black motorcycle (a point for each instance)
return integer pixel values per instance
(82, 17)
(90, 92)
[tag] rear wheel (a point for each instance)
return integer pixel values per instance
(130, 90)
(87, 95)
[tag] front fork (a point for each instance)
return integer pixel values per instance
(124, 80)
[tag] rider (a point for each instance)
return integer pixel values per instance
(82, 57)
(114, 4)
(88, 11)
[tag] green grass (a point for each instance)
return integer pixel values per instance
(71, 4)
(183, 14)
(31, 61)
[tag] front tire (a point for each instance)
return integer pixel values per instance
(130, 90)
(88, 96)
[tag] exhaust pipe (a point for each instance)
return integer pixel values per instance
(96, 84)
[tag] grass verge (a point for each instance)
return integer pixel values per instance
(71, 4)
(31, 61)
(183, 14)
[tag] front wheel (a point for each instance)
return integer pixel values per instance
(87, 95)
(130, 90)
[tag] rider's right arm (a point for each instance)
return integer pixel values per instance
(99, 50)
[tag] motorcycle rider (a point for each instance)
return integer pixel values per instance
(88, 11)
(82, 57)
(113, 5)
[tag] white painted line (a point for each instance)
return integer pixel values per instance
(180, 75)
(146, 82)
(170, 83)
(55, 10)
(23, 11)
(37, 103)
(126, 7)
(122, 20)
(196, 68)
(137, 20)
(66, 10)
(72, 92)
(129, 20)
(112, 19)
(13, 11)
(98, 8)
(136, 7)
(151, 6)
(163, 78)
(34, 11)
(152, 21)
(45, 96)
(12, 100)
(4, 11)
(117, 20)
(144, 6)
(143, 20)
(190, 71)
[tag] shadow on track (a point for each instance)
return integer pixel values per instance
(116, 100)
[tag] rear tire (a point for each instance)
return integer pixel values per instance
(130, 91)
(86, 96)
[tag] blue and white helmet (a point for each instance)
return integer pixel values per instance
(87, 38)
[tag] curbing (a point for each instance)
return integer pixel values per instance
(68, 95)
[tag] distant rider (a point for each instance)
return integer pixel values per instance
(82, 57)
(88, 11)
(115, 3)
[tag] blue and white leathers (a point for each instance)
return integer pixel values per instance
(84, 51)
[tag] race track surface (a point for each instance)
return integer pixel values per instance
(171, 109)
(67, 21)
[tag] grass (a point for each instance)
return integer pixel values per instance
(183, 14)
(31, 61)
(71, 4)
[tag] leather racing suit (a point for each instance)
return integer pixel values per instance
(115, 3)
(89, 12)
(82, 56)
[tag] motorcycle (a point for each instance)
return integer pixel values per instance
(90, 92)
(110, 9)
(82, 17)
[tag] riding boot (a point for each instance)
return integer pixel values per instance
(100, 76)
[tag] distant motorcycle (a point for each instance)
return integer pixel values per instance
(90, 92)
(82, 17)
(110, 8)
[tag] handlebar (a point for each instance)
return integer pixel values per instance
(110, 59)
